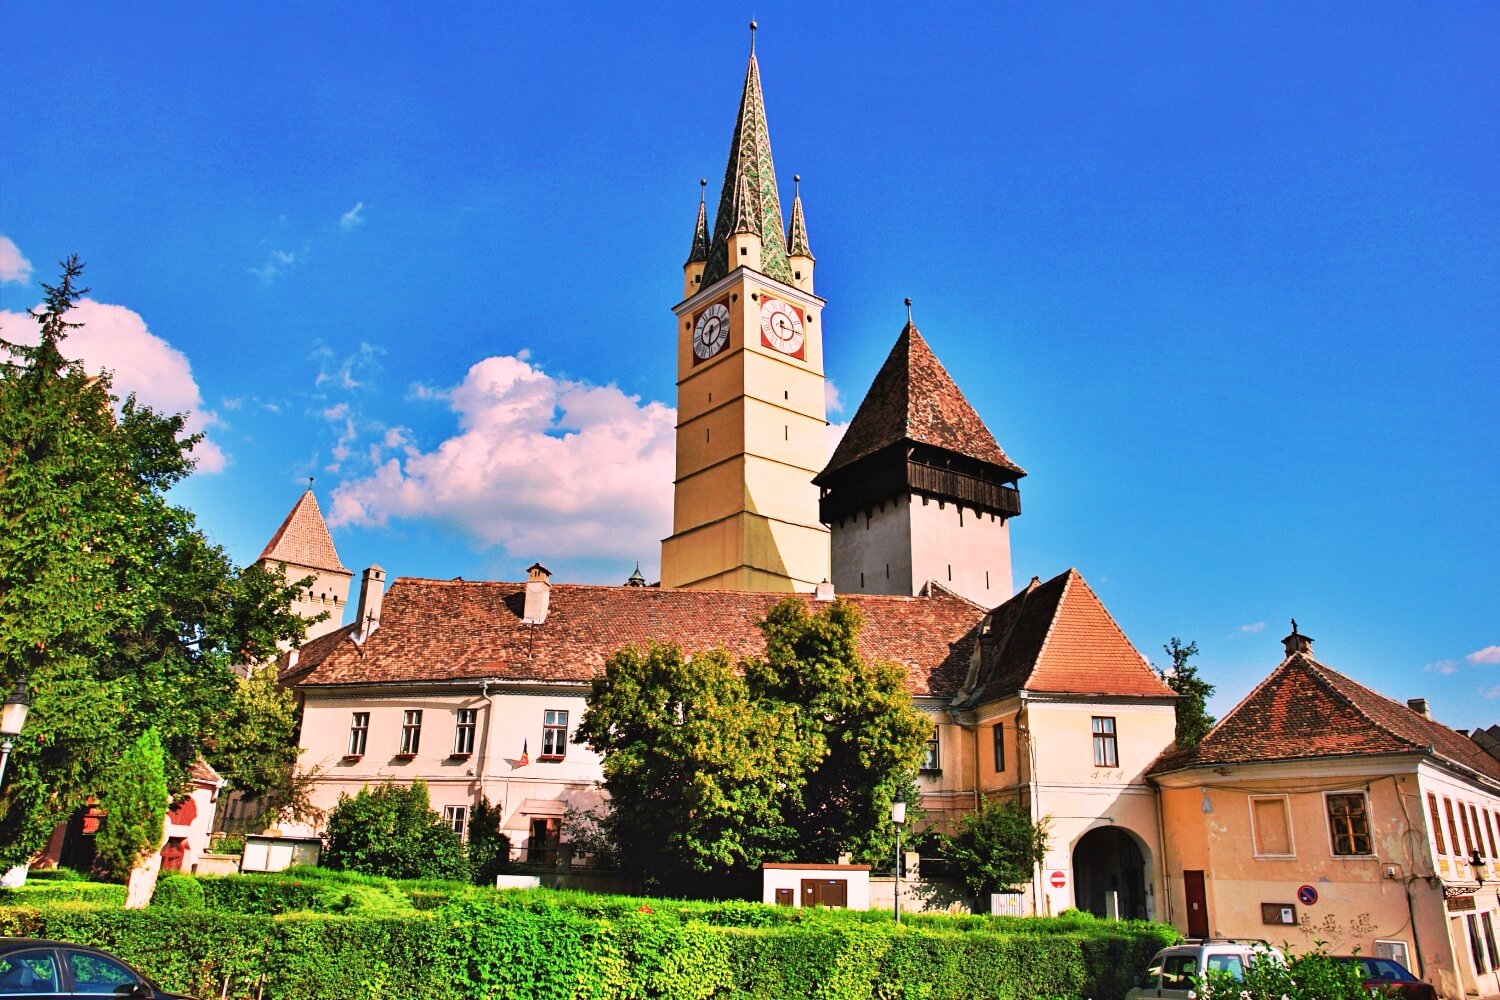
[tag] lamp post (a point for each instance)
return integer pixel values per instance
(898, 818)
(12, 718)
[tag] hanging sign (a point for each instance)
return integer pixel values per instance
(1307, 895)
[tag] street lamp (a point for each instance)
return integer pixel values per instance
(12, 718)
(898, 818)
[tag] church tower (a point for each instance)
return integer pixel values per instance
(751, 430)
(302, 547)
(918, 489)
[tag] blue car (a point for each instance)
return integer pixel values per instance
(31, 967)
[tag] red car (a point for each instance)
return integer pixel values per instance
(1385, 974)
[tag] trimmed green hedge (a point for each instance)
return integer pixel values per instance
(63, 891)
(486, 944)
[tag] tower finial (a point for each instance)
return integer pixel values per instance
(702, 189)
(309, 483)
(908, 311)
(753, 26)
(1294, 626)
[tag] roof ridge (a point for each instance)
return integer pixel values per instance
(1321, 671)
(1041, 649)
(1110, 617)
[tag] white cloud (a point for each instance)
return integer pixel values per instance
(832, 402)
(1443, 667)
(1493, 692)
(13, 266)
(835, 435)
(277, 264)
(349, 372)
(1252, 628)
(540, 467)
(352, 219)
(116, 338)
(1487, 655)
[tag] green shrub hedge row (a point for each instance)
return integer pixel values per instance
(63, 891)
(491, 945)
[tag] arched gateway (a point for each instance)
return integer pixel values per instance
(1110, 860)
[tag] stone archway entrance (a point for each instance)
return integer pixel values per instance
(1108, 860)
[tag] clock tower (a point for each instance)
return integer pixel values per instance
(751, 424)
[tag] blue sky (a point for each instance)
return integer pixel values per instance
(1224, 279)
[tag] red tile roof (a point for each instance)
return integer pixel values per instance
(913, 398)
(1056, 637)
(204, 772)
(303, 539)
(313, 652)
(1307, 710)
(440, 630)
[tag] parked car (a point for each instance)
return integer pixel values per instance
(1386, 973)
(1170, 974)
(31, 967)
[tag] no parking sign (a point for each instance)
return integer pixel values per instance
(1307, 895)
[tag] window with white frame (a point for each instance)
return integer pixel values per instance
(554, 734)
(411, 731)
(1106, 748)
(1349, 824)
(458, 818)
(463, 732)
(1438, 841)
(1271, 822)
(932, 760)
(359, 733)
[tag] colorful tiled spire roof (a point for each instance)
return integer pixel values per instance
(748, 201)
(303, 539)
(913, 398)
(699, 252)
(797, 234)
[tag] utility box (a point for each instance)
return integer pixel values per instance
(841, 886)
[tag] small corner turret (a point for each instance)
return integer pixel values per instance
(692, 271)
(799, 257)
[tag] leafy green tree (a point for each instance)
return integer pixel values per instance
(113, 605)
(255, 750)
(1313, 975)
(134, 802)
(390, 830)
(698, 772)
(713, 767)
(854, 717)
(489, 847)
(1193, 692)
(996, 848)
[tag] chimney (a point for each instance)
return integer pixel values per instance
(1297, 642)
(371, 597)
(1419, 705)
(538, 594)
(823, 592)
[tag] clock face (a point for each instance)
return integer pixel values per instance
(712, 332)
(781, 327)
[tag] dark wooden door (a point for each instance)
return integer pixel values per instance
(1197, 904)
(783, 897)
(825, 892)
(171, 854)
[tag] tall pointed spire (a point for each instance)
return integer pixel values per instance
(748, 201)
(796, 239)
(699, 252)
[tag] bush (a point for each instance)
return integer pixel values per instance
(391, 830)
(71, 891)
(996, 848)
(177, 891)
(61, 873)
(1313, 975)
(134, 800)
(485, 944)
(489, 848)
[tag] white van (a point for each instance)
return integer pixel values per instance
(1170, 975)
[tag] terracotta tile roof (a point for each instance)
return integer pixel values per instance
(913, 398)
(204, 772)
(1305, 709)
(312, 653)
(1056, 637)
(303, 539)
(438, 630)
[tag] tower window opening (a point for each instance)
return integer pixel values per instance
(786, 394)
(797, 275)
(950, 572)
(887, 571)
(861, 581)
(744, 251)
(710, 397)
(697, 279)
(708, 433)
(986, 579)
(786, 432)
(960, 517)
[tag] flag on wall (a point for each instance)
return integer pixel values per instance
(525, 755)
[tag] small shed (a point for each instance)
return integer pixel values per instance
(793, 884)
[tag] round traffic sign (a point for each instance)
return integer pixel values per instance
(1307, 895)
(1058, 880)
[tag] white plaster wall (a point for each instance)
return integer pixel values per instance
(508, 721)
(872, 553)
(897, 548)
